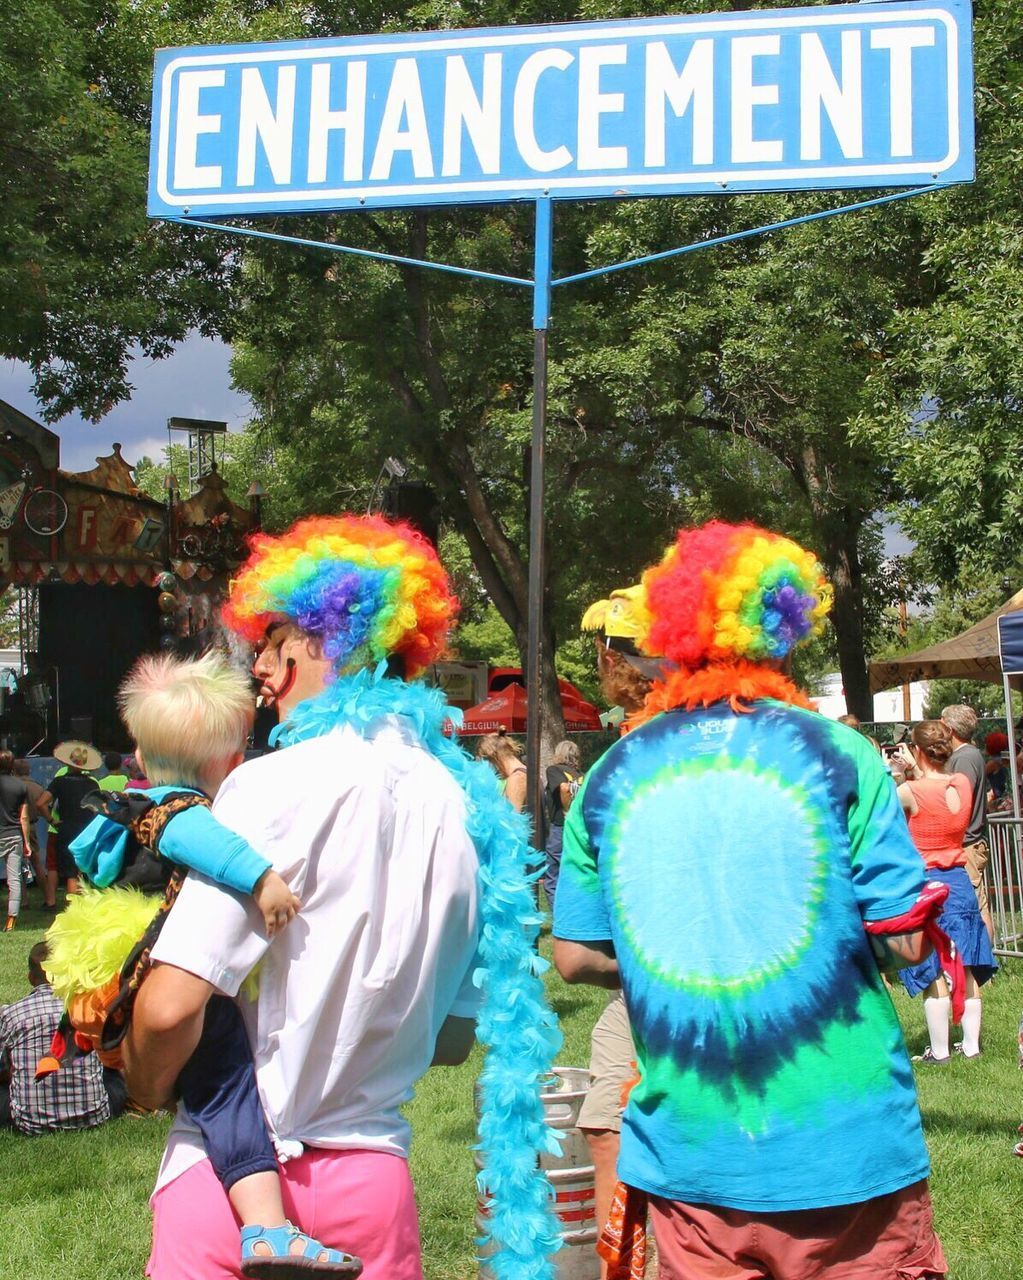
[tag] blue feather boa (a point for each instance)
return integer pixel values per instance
(515, 1022)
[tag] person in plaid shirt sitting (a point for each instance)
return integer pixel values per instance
(81, 1097)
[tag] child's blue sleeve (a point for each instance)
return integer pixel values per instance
(100, 850)
(198, 841)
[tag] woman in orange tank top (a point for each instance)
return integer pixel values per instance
(938, 806)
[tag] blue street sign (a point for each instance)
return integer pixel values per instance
(848, 95)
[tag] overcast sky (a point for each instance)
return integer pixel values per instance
(194, 382)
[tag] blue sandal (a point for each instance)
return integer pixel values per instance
(278, 1258)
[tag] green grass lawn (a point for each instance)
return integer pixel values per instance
(74, 1205)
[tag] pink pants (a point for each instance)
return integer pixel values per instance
(361, 1201)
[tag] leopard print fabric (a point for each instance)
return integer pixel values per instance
(147, 829)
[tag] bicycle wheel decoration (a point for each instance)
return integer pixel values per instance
(45, 512)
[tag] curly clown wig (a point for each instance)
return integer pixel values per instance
(727, 603)
(366, 587)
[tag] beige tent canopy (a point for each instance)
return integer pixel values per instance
(970, 656)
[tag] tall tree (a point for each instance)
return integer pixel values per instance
(351, 360)
(86, 278)
(947, 403)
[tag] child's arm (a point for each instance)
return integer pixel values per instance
(195, 839)
(276, 901)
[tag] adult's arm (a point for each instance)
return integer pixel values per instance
(454, 1042)
(905, 793)
(583, 951)
(515, 790)
(43, 802)
(888, 874)
(26, 831)
(594, 962)
(5, 1046)
(899, 950)
(165, 1028)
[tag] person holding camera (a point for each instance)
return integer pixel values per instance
(898, 760)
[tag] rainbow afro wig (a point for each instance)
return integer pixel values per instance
(725, 603)
(366, 587)
(732, 592)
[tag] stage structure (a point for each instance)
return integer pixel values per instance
(851, 96)
(202, 446)
(103, 573)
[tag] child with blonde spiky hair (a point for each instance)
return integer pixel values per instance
(190, 720)
(186, 717)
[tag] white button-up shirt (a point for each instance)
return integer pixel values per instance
(370, 834)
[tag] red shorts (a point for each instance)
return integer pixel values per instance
(888, 1238)
(361, 1201)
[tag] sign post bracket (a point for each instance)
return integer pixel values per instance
(766, 229)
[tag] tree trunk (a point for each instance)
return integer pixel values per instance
(550, 696)
(838, 528)
(847, 618)
(449, 462)
(497, 560)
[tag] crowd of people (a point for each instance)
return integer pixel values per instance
(283, 946)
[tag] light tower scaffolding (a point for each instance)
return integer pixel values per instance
(202, 446)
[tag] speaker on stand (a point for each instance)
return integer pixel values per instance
(416, 502)
(81, 728)
(36, 698)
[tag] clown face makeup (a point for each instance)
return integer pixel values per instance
(289, 667)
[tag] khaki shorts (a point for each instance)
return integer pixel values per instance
(977, 856)
(612, 1067)
(888, 1238)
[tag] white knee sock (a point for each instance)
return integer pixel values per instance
(936, 1010)
(971, 1027)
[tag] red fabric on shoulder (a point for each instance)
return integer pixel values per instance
(923, 916)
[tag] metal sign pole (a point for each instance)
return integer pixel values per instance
(542, 258)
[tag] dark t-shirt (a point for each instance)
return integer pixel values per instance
(35, 790)
(13, 794)
(68, 791)
(556, 775)
(968, 761)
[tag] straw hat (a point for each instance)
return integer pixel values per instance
(80, 755)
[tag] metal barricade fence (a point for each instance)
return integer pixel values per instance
(1005, 882)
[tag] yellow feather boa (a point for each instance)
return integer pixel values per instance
(91, 939)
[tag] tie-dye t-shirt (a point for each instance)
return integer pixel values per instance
(731, 860)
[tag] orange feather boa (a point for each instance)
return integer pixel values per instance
(741, 682)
